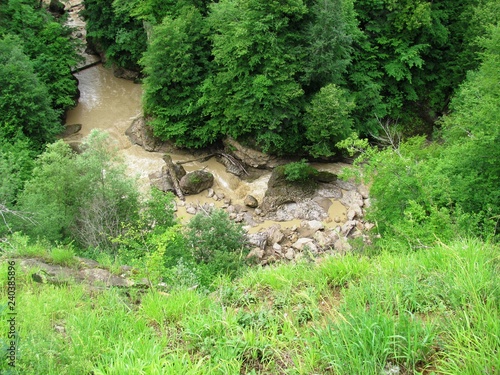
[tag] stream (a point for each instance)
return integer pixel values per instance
(111, 104)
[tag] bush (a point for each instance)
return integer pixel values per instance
(299, 171)
(216, 244)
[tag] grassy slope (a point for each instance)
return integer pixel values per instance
(435, 311)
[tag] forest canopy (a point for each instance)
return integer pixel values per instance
(263, 71)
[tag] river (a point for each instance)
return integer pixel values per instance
(110, 104)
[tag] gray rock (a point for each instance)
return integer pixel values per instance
(314, 225)
(342, 246)
(363, 190)
(256, 252)
(274, 234)
(195, 182)
(302, 242)
(251, 201)
(191, 210)
(249, 156)
(290, 254)
(210, 193)
(258, 239)
(347, 227)
(352, 198)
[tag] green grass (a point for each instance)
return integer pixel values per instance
(435, 311)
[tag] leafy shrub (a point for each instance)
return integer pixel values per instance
(216, 243)
(299, 171)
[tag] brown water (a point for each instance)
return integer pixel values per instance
(110, 104)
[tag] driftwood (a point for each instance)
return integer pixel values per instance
(171, 171)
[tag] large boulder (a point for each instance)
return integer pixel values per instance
(280, 191)
(141, 134)
(248, 155)
(195, 182)
(162, 179)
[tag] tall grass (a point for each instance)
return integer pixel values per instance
(433, 311)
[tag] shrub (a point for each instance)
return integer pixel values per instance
(216, 243)
(299, 171)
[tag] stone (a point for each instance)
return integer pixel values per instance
(345, 185)
(329, 191)
(277, 247)
(210, 193)
(352, 198)
(275, 235)
(363, 190)
(256, 252)
(70, 130)
(367, 203)
(195, 182)
(337, 219)
(258, 212)
(325, 239)
(141, 134)
(251, 201)
(290, 254)
(369, 226)
(258, 239)
(249, 156)
(347, 227)
(191, 210)
(314, 225)
(351, 214)
(302, 242)
(342, 246)
(325, 176)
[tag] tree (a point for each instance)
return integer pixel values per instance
(176, 63)
(83, 196)
(25, 104)
(327, 120)
(113, 31)
(253, 92)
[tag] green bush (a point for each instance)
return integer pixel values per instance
(216, 243)
(299, 171)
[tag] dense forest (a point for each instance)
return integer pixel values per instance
(410, 90)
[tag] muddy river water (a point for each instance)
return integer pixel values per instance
(110, 104)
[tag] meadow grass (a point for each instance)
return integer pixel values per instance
(435, 311)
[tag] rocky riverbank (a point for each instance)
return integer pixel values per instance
(289, 221)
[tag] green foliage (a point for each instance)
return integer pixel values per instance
(327, 120)
(253, 91)
(433, 310)
(85, 196)
(25, 104)
(175, 63)
(299, 171)
(113, 31)
(216, 244)
(49, 47)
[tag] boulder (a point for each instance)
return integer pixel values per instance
(70, 130)
(314, 225)
(301, 243)
(351, 199)
(290, 254)
(342, 246)
(249, 156)
(325, 176)
(256, 252)
(257, 239)
(275, 235)
(251, 201)
(141, 134)
(195, 182)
